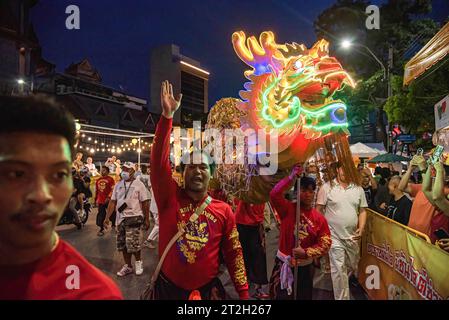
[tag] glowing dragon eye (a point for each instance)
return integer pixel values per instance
(298, 65)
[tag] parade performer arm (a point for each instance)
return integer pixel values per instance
(438, 195)
(164, 187)
(277, 199)
(324, 241)
(233, 256)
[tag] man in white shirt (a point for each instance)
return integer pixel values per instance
(343, 205)
(131, 200)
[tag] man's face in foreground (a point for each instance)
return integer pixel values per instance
(197, 176)
(35, 186)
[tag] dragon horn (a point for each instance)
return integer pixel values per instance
(238, 42)
(319, 49)
(251, 51)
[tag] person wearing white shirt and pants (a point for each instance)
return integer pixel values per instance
(131, 200)
(343, 205)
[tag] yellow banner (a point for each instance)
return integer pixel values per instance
(398, 264)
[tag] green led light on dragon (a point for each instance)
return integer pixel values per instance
(326, 126)
(296, 106)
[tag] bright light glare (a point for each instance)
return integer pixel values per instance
(346, 44)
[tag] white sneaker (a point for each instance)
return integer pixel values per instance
(139, 267)
(125, 270)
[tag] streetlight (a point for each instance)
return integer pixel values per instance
(346, 44)
(21, 81)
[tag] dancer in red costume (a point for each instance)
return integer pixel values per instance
(192, 263)
(313, 234)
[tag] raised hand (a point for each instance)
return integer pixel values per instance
(168, 102)
(296, 171)
(418, 161)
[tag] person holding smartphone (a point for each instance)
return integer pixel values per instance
(131, 200)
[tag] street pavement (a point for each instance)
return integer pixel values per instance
(101, 252)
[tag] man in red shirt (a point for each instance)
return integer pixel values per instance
(313, 234)
(192, 263)
(35, 186)
(249, 218)
(103, 190)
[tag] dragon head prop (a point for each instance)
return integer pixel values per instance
(290, 95)
(291, 87)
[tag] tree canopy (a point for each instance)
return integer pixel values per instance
(405, 28)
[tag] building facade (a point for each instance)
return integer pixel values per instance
(187, 77)
(20, 51)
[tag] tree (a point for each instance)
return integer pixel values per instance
(413, 106)
(399, 31)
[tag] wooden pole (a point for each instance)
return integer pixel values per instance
(297, 242)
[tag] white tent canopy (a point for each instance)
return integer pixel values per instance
(363, 151)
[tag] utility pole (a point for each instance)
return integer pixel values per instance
(389, 92)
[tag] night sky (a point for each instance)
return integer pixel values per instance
(117, 36)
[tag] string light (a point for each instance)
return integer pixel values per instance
(92, 150)
(102, 143)
(83, 135)
(95, 141)
(89, 138)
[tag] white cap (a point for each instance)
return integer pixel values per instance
(128, 165)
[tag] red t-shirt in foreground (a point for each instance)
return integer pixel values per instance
(104, 187)
(54, 278)
(249, 214)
